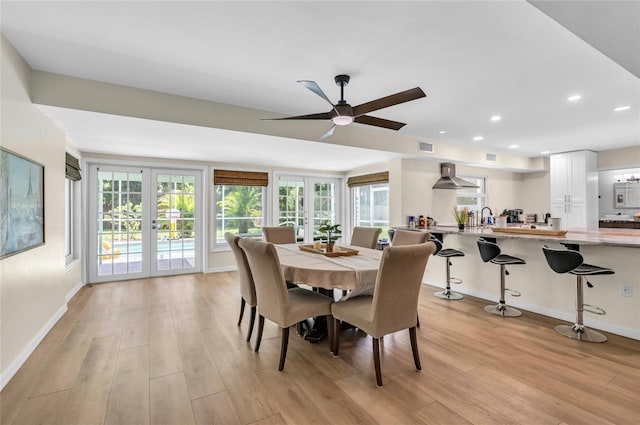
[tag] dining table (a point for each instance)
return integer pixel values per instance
(355, 275)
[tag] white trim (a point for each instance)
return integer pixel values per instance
(71, 264)
(221, 269)
(15, 365)
(73, 292)
(561, 315)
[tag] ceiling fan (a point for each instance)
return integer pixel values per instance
(344, 114)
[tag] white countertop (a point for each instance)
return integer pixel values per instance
(613, 237)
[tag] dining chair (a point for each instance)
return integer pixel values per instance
(408, 237)
(394, 303)
(366, 237)
(279, 234)
(285, 307)
(247, 287)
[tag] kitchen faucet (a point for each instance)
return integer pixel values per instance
(482, 214)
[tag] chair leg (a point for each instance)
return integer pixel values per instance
(417, 320)
(336, 337)
(251, 322)
(330, 330)
(414, 347)
(376, 360)
(242, 304)
(260, 329)
(283, 348)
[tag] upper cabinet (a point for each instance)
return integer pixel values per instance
(574, 188)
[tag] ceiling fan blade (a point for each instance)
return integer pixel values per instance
(320, 116)
(311, 85)
(379, 122)
(385, 102)
(329, 132)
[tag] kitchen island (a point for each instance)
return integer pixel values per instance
(544, 291)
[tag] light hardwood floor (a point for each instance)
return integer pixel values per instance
(167, 351)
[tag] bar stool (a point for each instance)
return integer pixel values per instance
(490, 252)
(566, 260)
(447, 293)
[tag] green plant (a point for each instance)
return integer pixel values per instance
(461, 216)
(331, 231)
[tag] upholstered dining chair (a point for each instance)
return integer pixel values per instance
(279, 234)
(285, 307)
(366, 237)
(247, 287)
(394, 303)
(408, 237)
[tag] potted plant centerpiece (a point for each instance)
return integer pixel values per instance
(461, 217)
(331, 232)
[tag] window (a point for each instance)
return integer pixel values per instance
(470, 198)
(68, 220)
(371, 206)
(72, 209)
(239, 209)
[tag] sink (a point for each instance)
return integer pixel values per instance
(617, 217)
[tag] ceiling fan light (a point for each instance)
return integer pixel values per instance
(342, 120)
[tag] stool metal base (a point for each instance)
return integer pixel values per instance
(448, 295)
(503, 310)
(580, 333)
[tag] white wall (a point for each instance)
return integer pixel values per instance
(33, 284)
(411, 193)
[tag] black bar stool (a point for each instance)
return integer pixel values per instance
(447, 293)
(490, 252)
(566, 260)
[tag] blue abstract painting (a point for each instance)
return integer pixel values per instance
(21, 204)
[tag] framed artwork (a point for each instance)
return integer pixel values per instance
(21, 203)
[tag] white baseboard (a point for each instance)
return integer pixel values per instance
(31, 346)
(221, 269)
(73, 292)
(561, 315)
(8, 373)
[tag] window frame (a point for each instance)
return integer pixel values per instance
(481, 194)
(72, 214)
(354, 208)
(222, 245)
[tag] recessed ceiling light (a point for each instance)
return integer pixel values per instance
(478, 138)
(622, 108)
(513, 146)
(496, 118)
(545, 152)
(442, 132)
(574, 98)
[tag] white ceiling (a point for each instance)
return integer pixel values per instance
(473, 59)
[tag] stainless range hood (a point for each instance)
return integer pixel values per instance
(448, 179)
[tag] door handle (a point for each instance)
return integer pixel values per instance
(154, 225)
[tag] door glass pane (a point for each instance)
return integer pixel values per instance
(174, 222)
(291, 205)
(324, 205)
(119, 215)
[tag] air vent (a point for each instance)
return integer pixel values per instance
(425, 147)
(492, 157)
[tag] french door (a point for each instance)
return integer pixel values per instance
(143, 222)
(305, 202)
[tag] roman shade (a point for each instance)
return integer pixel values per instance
(72, 167)
(240, 178)
(366, 179)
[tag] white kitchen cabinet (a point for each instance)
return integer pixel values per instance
(574, 189)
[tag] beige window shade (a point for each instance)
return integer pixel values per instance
(72, 167)
(366, 179)
(240, 178)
